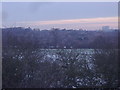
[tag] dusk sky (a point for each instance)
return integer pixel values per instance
(70, 15)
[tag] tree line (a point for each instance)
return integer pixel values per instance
(59, 39)
(29, 61)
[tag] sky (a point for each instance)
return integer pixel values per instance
(69, 15)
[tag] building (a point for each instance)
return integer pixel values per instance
(105, 28)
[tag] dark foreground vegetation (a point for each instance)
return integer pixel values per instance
(36, 59)
(59, 39)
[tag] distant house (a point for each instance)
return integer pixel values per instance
(105, 28)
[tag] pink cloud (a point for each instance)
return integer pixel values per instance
(86, 22)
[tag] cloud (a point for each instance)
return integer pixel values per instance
(73, 21)
(87, 23)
